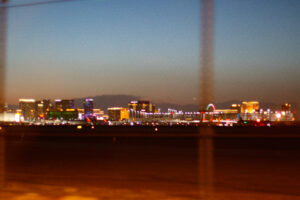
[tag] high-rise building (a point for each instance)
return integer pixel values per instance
(236, 107)
(46, 105)
(250, 107)
(28, 108)
(117, 113)
(136, 108)
(64, 104)
(42, 107)
(88, 106)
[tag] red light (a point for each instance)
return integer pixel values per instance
(258, 120)
(88, 120)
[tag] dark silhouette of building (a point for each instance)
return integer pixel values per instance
(42, 107)
(64, 104)
(28, 108)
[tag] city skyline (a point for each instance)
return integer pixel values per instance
(106, 101)
(151, 49)
(138, 112)
(159, 99)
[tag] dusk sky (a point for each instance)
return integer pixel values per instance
(151, 48)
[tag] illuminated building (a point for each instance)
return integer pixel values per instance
(118, 113)
(9, 117)
(80, 114)
(249, 107)
(42, 107)
(68, 114)
(217, 115)
(236, 107)
(99, 114)
(28, 108)
(136, 108)
(64, 104)
(97, 111)
(39, 109)
(46, 105)
(88, 106)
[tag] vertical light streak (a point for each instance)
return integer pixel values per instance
(206, 140)
(2, 54)
(2, 86)
(207, 37)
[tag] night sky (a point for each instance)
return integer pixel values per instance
(152, 49)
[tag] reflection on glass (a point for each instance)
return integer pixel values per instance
(206, 163)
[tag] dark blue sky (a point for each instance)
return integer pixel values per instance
(151, 49)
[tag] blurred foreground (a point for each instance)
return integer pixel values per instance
(151, 166)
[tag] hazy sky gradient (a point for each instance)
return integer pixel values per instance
(151, 49)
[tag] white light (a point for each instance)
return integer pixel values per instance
(17, 117)
(114, 108)
(278, 115)
(26, 100)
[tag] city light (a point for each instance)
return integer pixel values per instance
(27, 100)
(139, 113)
(278, 115)
(79, 127)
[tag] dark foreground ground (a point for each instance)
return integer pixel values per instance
(238, 163)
